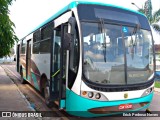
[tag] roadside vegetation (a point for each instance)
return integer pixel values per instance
(7, 34)
(154, 20)
(157, 84)
(153, 17)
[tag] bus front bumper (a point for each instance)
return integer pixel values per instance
(83, 107)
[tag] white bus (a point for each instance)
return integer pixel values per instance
(91, 59)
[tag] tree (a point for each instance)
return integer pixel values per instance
(7, 34)
(12, 52)
(153, 18)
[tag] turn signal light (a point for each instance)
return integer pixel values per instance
(84, 93)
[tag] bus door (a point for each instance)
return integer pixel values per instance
(59, 66)
(17, 57)
(59, 61)
(28, 60)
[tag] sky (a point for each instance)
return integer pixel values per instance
(28, 14)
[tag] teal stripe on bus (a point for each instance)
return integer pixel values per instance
(35, 81)
(28, 78)
(24, 73)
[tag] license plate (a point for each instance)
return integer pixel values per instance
(125, 106)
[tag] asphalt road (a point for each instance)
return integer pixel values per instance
(155, 105)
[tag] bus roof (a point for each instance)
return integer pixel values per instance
(75, 4)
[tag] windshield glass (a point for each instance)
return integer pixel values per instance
(104, 53)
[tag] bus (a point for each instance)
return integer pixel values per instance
(91, 59)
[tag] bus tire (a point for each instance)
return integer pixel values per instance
(148, 111)
(48, 101)
(23, 81)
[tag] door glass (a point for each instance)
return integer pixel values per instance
(29, 60)
(56, 60)
(59, 62)
(74, 59)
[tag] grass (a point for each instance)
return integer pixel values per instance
(157, 84)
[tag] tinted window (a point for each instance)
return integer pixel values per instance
(23, 50)
(115, 15)
(36, 47)
(89, 12)
(45, 46)
(46, 32)
(23, 46)
(37, 36)
(74, 54)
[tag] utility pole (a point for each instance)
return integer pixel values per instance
(139, 9)
(135, 5)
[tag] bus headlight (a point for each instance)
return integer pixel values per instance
(94, 95)
(98, 96)
(147, 92)
(90, 94)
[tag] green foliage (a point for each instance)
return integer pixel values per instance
(157, 84)
(141, 10)
(155, 19)
(148, 9)
(7, 34)
(152, 18)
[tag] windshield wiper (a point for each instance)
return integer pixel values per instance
(136, 28)
(104, 38)
(134, 42)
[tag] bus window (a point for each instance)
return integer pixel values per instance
(46, 32)
(36, 47)
(23, 47)
(37, 36)
(36, 44)
(45, 46)
(74, 59)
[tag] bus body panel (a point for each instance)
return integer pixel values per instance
(113, 96)
(33, 78)
(41, 64)
(79, 106)
(77, 83)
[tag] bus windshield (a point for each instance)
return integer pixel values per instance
(117, 55)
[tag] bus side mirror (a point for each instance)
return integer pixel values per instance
(72, 22)
(67, 41)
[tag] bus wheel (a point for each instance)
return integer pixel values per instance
(148, 111)
(23, 81)
(48, 101)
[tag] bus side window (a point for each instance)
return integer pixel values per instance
(23, 48)
(74, 59)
